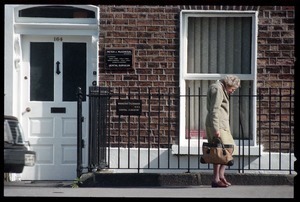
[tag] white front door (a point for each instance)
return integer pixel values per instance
(52, 70)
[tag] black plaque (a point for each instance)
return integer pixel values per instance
(119, 58)
(129, 107)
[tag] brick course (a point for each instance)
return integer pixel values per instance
(153, 32)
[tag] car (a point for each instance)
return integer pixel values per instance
(17, 152)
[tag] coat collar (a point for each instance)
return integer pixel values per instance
(221, 82)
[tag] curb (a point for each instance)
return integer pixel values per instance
(178, 179)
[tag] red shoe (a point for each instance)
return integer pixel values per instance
(218, 184)
(225, 181)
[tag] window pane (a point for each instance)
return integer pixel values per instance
(56, 12)
(241, 111)
(74, 70)
(196, 106)
(41, 71)
(241, 108)
(219, 45)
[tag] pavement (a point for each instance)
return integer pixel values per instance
(173, 186)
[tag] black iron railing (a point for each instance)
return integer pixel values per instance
(133, 128)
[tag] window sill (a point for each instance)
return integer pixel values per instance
(195, 150)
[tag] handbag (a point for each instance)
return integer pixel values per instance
(217, 153)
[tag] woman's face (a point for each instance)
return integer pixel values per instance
(230, 89)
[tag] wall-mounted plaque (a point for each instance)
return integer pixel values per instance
(119, 58)
(129, 107)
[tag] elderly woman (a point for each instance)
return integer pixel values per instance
(217, 120)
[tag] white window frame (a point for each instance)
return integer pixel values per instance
(196, 76)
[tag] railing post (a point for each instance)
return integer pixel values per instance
(79, 132)
(98, 102)
(102, 126)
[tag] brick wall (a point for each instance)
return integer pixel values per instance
(275, 56)
(153, 32)
(275, 75)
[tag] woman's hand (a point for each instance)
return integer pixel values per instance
(217, 134)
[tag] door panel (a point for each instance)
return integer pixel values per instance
(53, 69)
(41, 76)
(74, 71)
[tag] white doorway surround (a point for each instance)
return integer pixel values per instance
(50, 50)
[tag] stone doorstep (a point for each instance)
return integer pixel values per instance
(178, 179)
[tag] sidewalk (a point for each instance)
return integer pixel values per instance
(64, 189)
(185, 185)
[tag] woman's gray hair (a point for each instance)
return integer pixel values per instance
(232, 81)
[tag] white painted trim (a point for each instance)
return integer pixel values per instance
(194, 150)
(56, 29)
(183, 75)
(57, 20)
(10, 74)
(16, 27)
(217, 13)
(215, 76)
(254, 72)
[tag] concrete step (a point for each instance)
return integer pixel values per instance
(99, 179)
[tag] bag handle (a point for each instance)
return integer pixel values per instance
(217, 140)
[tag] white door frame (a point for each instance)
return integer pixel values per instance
(16, 27)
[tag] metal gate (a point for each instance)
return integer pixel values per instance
(98, 101)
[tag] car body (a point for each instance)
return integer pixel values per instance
(17, 152)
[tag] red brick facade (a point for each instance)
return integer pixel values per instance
(153, 32)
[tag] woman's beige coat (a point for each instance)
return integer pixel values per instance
(218, 107)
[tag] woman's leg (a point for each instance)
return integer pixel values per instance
(222, 175)
(222, 171)
(216, 177)
(227, 138)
